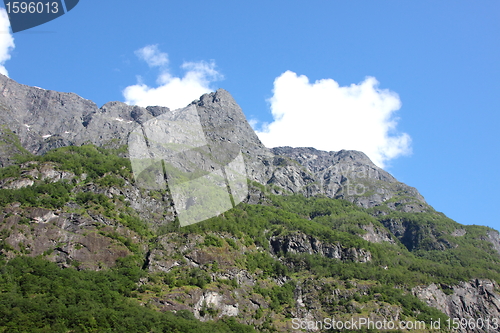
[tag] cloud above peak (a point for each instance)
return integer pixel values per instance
(152, 56)
(329, 117)
(6, 41)
(172, 91)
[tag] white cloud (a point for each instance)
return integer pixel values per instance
(173, 92)
(152, 56)
(326, 116)
(253, 123)
(6, 41)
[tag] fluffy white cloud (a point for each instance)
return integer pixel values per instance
(152, 56)
(173, 92)
(326, 116)
(6, 41)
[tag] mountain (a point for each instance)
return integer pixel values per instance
(320, 234)
(44, 120)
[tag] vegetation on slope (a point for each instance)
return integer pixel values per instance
(38, 295)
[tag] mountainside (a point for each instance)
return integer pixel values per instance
(320, 234)
(44, 120)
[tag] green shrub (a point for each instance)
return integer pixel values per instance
(211, 240)
(39, 296)
(50, 195)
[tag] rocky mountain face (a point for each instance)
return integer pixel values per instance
(477, 299)
(44, 120)
(96, 223)
(348, 175)
(301, 243)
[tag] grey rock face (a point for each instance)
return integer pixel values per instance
(494, 239)
(348, 175)
(224, 121)
(219, 110)
(226, 305)
(10, 146)
(476, 299)
(39, 120)
(302, 243)
(36, 114)
(44, 119)
(71, 239)
(376, 234)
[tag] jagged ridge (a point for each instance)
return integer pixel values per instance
(273, 261)
(44, 120)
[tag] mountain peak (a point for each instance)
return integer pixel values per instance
(45, 119)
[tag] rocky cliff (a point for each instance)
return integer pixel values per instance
(477, 301)
(44, 120)
(319, 235)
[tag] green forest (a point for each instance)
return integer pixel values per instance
(38, 295)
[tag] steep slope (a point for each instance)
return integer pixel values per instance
(321, 234)
(350, 175)
(44, 120)
(294, 258)
(10, 146)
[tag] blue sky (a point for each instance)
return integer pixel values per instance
(432, 120)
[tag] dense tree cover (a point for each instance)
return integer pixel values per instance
(180, 276)
(10, 171)
(254, 224)
(38, 296)
(94, 161)
(279, 296)
(101, 166)
(49, 195)
(269, 266)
